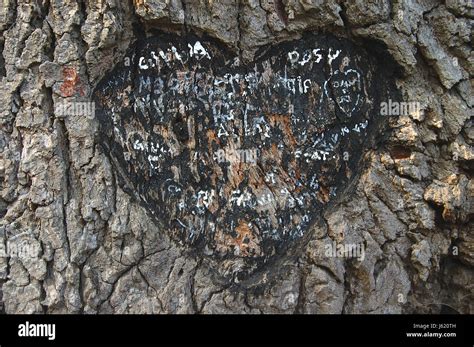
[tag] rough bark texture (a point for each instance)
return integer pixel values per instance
(92, 247)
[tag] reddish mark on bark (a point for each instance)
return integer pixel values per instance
(72, 83)
(285, 125)
(399, 152)
(280, 10)
(245, 241)
(323, 194)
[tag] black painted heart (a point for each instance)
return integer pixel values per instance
(234, 159)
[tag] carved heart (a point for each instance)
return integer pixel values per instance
(346, 89)
(238, 159)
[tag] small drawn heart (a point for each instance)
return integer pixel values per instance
(346, 89)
